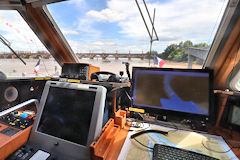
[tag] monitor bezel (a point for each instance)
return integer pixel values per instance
(164, 112)
(232, 125)
(55, 144)
(226, 120)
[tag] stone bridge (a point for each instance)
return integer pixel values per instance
(115, 55)
(26, 55)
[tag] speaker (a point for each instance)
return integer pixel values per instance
(13, 92)
(10, 94)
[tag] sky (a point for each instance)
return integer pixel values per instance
(116, 25)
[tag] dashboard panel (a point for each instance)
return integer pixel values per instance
(16, 91)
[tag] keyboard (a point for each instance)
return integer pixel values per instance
(163, 152)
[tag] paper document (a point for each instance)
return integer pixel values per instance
(203, 143)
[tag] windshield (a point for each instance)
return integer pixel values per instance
(18, 35)
(184, 28)
(108, 33)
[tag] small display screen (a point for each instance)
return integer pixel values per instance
(172, 90)
(235, 115)
(67, 114)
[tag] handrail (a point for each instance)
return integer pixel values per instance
(20, 106)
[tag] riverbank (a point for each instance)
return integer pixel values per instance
(14, 68)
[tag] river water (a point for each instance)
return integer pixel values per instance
(14, 68)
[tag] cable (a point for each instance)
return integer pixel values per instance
(217, 151)
(117, 88)
(142, 144)
(10, 48)
(175, 128)
(143, 131)
(138, 124)
(148, 131)
(128, 96)
(161, 123)
(216, 22)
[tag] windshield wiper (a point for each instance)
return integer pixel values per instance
(6, 43)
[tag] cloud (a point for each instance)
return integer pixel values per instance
(85, 27)
(116, 11)
(106, 15)
(78, 3)
(175, 21)
(16, 31)
(70, 32)
(105, 42)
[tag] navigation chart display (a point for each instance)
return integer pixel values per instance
(172, 90)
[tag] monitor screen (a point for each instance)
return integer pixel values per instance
(67, 114)
(180, 90)
(235, 117)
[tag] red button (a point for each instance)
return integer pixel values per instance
(185, 150)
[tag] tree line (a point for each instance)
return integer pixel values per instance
(176, 52)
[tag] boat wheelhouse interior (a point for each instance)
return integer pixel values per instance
(89, 112)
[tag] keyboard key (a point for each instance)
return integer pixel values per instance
(163, 152)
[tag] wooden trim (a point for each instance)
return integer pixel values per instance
(92, 69)
(228, 58)
(55, 46)
(109, 142)
(100, 148)
(230, 93)
(221, 106)
(118, 143)
(9, 144)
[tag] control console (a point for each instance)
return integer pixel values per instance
(19, 119)
(22, 153)
(81, 71)
(35, 152)
(15, 126)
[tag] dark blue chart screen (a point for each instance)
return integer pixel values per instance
(172, 90)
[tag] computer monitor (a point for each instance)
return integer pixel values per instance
(231, 115)
(186, 92)
(69, 118)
